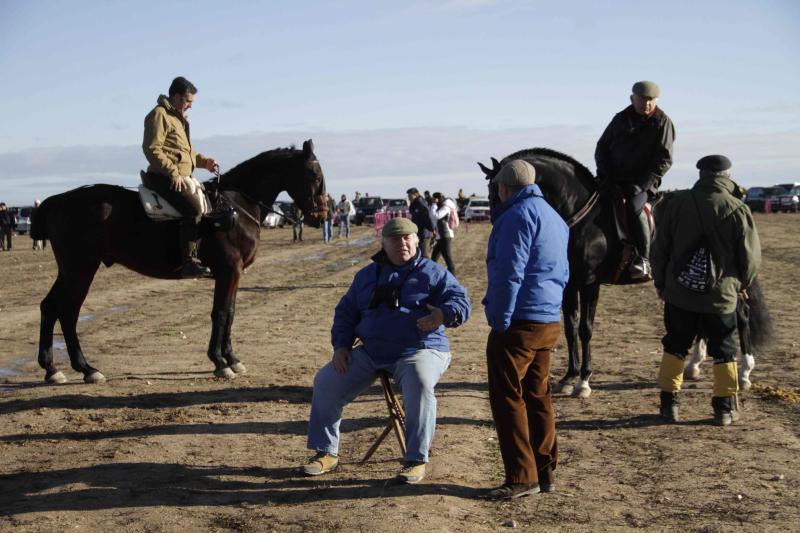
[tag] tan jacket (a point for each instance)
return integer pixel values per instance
(167, 144)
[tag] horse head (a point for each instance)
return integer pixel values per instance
(308, 192)
(494, 194)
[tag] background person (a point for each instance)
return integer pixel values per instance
(327, 224)
(527, 268)
(168, 148)
(634, 153)
(344, 211)
(7, 224)
(398, 307)
(420, 213)
(440, 210)
(710, 207)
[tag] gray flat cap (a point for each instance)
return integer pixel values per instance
(516, 173)
(648, 89)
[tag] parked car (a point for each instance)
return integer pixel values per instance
(477, 209)
(24, 220)
(366, 209)
(756, 197)
(397, 205)
(788, 202)
(274, 219)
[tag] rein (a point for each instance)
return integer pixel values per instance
(583, 211)
(264, 207)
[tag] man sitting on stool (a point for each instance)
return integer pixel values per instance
(399, 307)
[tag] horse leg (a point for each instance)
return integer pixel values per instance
(227, 347)
(692, 370)
(49, 311)
(221, 321)
(74, 289)
(570, 312)
(590, 294)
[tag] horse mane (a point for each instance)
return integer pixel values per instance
(276, 154)
(554, 154)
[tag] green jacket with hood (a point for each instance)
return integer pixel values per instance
(734, 244)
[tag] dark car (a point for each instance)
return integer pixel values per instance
(366, 209)
(787, 202)
(756, 197)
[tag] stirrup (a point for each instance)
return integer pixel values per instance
(640, 269)
(193, 270)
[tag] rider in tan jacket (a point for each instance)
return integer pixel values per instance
(168, 148)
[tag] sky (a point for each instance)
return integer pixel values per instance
(394, 94)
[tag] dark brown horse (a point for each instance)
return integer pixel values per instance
(107, 224)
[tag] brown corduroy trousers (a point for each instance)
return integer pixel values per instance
(518, 361)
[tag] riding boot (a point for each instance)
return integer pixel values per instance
(640, 231)
(670, 378)
(726, 386)
(191, 267)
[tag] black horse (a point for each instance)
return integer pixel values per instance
(107, 224)
(595, 249)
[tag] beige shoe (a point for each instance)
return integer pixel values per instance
(412, 472)
(321, 463)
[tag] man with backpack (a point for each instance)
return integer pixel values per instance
(445, 213)
(705, 255)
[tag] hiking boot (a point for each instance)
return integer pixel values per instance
(669, 407)
(640, 269)
(194, 270)
(546, 480)
(511, 491)
(412, 472)
(724, 412)
(322, 463)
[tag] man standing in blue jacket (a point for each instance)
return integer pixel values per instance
(399, 307)
(527, 266)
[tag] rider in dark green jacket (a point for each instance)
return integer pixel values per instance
(709, 209)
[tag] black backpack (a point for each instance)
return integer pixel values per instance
(696, 270)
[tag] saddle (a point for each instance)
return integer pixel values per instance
(216, 214)
(159, 210)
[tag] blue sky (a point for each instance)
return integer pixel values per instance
(394, 94)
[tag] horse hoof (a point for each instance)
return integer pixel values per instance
(239, 368)
(583, 391)
(56, 379)
(745, 384)
(225, 373)
(566, 388)
(95, 377)
(692, 372)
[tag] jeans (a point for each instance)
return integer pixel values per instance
(327, 226)
(442, 247)
(416, 375)
(344, 220)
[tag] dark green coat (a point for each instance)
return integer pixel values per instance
(734, 244)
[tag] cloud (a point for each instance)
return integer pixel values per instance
(389, 161)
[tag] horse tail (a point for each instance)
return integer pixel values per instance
(755, 322)
(39, 222)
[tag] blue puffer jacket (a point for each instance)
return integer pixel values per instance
(526, 261)
(390, 334)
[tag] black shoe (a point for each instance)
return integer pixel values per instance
(725, 412)
(510, 491)
(669, 407)
(546, 479)
(192, 270)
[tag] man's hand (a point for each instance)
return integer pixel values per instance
(211, 164)
(178, 185)
(341, 359)
(432, 321)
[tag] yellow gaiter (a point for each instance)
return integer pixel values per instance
(670, 376)
(726, 382)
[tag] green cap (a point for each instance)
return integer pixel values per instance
(398, 226)
(648, 89)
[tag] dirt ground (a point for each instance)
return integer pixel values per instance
(163, 446)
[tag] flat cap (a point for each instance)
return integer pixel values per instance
(516, 173)
(714, 163)
(648, 89)
(398, 226)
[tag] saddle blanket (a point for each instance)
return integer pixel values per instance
(158, 209)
